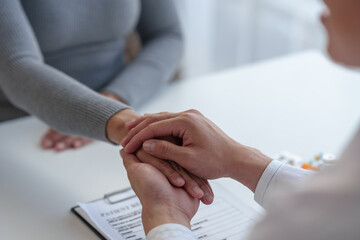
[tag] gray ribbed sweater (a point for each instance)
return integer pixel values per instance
(55, 55)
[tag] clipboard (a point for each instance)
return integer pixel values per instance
(81, 214)
(113, 208)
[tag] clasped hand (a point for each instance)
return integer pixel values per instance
(206, 151)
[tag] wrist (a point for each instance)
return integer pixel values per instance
(115, 128)
(247, 165)
(156, 216)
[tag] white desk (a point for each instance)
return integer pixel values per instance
(301, 103)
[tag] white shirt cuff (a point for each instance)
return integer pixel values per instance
(270, 172)
(277, 176)
(170, 231)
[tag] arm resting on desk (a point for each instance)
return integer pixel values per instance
(37, 88)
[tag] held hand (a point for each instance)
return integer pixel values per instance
(197, 187)
(179, 177)
(53, 139)
(162, 203)
(206, 150)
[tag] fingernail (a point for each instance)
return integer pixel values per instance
(77, 144)
(198, 191)
(149, 146)
(47, 143)
(208, 198)
(180, 181)
(60, 146)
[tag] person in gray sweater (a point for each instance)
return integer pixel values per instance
(57, 56)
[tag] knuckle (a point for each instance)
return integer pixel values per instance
(191, 182)
(190, 117)
(163, 148)
(167, 169)
(152, 128)
(148, 120)
(172, 174)
(193, 111)
(140, 154)
(186, 118)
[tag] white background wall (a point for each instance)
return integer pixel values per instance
(225, 33)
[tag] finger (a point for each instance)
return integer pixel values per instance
(50, 138)
(80, 142)
(150, 114)
(163, 128)
(133, 123)
(64, 143)
(163, 166)
(128, 159)
(191, 186)
(204, 185)
(143, 122)
(131, 164)
(46, 141)
(208, 197)
(166, 150)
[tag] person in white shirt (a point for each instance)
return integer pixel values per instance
(327, 206)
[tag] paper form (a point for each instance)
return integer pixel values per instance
(121, 220)
(226, 219)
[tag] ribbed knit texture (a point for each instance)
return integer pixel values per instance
(55, 55)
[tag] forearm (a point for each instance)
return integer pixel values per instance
(156, 63)
(57, 99)
(37, 88)
(148, 73)
(261, 174)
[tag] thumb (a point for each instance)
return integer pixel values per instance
(128, 159)
(167, 150)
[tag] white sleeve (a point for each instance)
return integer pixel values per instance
(277, 175)
(170, 232)
(324, 207)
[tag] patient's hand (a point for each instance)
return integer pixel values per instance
(53, 139)
(161, 202)
(179, 177)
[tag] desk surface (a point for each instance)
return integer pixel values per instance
(301, 103)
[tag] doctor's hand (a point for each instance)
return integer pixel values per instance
(206, 150)
(162, 203)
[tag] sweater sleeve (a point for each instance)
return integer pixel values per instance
(161, 36)
(37, 88)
